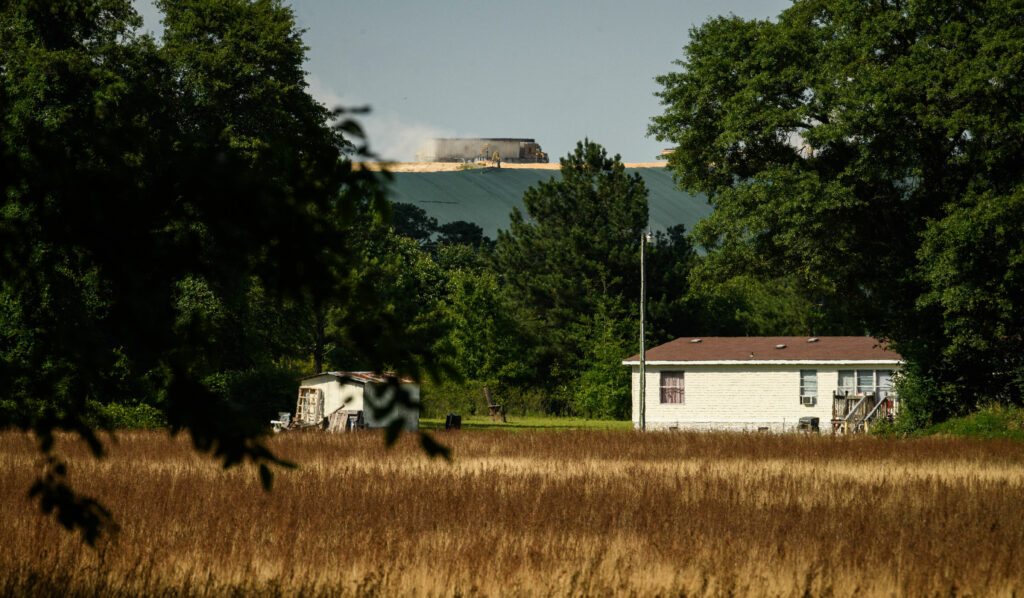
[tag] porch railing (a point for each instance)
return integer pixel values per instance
(854, 413)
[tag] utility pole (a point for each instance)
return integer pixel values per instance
(644, 239)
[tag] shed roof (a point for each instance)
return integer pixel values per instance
(760, 349)
(364, 377)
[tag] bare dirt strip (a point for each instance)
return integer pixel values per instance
(453, 166)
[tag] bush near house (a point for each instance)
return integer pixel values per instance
(989, 422)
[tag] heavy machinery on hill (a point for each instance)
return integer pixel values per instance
(506, 149)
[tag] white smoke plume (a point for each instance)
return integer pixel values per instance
(391, 138)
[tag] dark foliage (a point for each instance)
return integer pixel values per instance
(868, 154)
(166, 207)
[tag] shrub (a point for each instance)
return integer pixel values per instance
(127, 417)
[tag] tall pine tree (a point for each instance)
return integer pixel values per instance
(575, 253)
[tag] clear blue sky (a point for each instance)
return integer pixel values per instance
(551, 70)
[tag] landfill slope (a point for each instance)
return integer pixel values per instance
(486, 196)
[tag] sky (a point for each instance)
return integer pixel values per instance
(555, 71)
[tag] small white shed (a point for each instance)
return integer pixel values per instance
(365, 394)
(764, 383)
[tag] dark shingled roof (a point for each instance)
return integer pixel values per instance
(767, 348)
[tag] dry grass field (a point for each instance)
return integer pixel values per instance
(532, 514)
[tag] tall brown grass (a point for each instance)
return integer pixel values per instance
(541, 513)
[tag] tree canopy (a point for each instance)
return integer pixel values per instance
(580, 238)
(574, 257)
(157, 198)
(869, 151)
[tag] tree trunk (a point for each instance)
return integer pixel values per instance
(319, 341)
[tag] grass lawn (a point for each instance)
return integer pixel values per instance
(993, 421)
(531, 422)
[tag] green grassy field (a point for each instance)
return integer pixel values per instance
(988, 423)
(530, 422)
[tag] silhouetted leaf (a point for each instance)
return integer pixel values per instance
(72, 510)
(434, 448)
(266, 477)
(393, 431)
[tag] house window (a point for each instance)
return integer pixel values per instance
(861, 382)
(808, 383)
(672, 390)
(847, 382)
(884, 381)
(865, 381)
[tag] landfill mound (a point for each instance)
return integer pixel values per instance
(486, 196)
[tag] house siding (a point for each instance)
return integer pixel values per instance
(742, 397)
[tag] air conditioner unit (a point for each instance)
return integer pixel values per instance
(808, 400)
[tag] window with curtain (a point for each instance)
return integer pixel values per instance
(672, 390)
(808, 383)
(865, 381)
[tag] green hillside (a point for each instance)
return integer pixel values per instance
(486, 196)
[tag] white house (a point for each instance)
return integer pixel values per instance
(764, 383)
(365, 396)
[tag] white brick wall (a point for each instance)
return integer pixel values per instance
(740, 397)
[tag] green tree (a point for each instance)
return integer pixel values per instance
(461, 232)
(403, 289)
(487, 337)
(838, 144)
(745, 305)
(581, 239)
(483, 332)
(412, 221)
(602, 388)
(670, 310)
(972, 265)
(148, 192)
(238, 70)
(576, 250)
